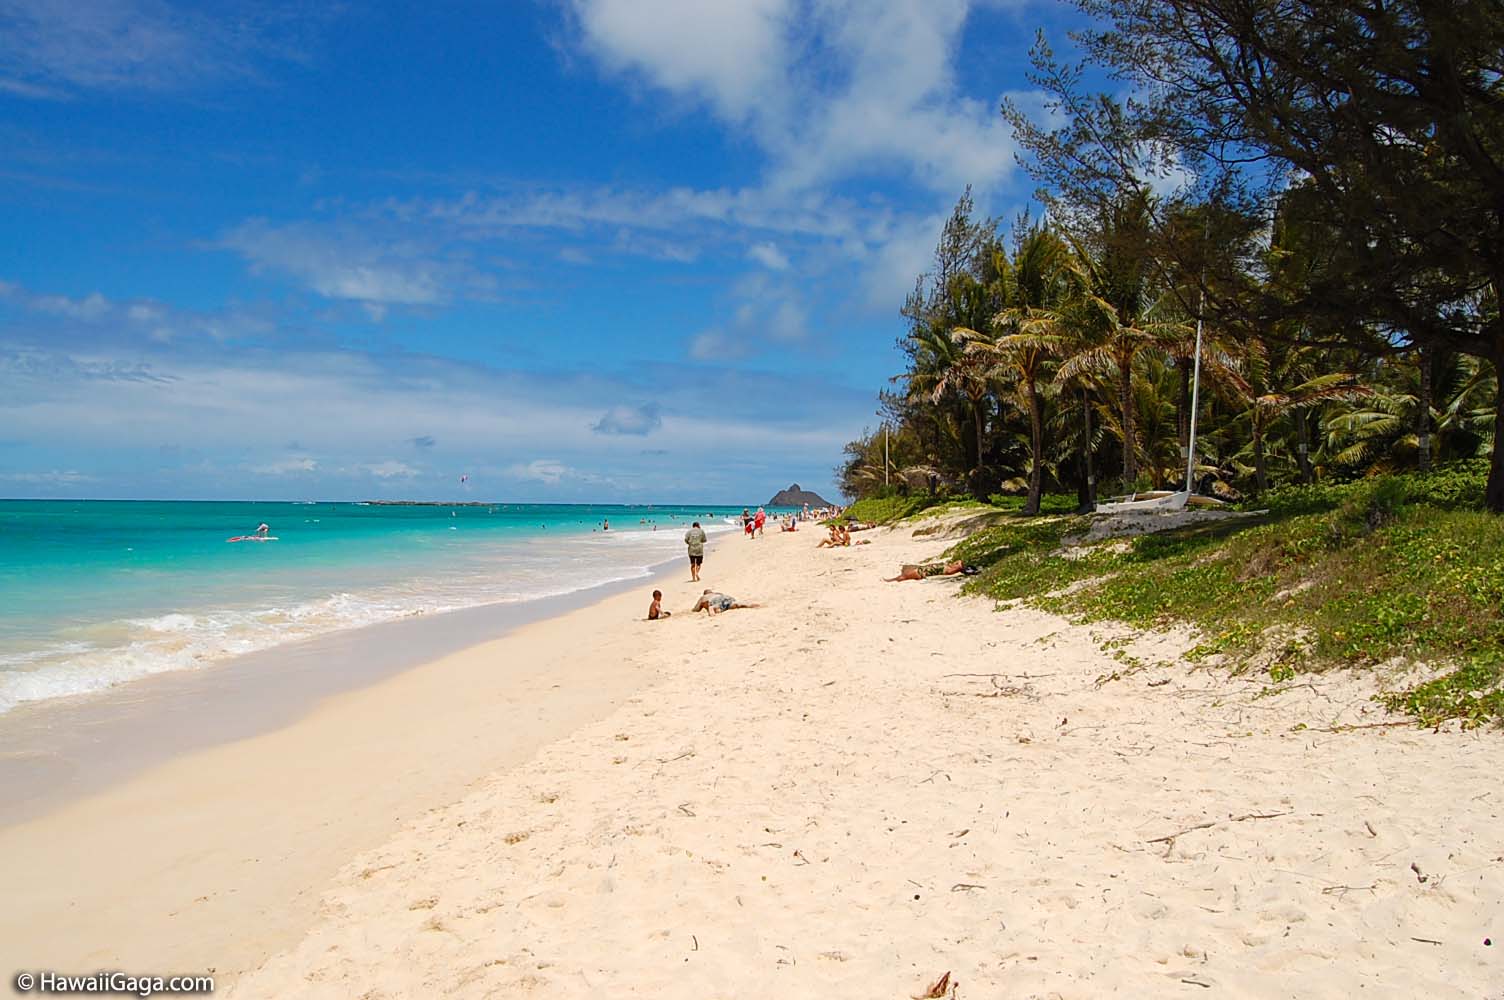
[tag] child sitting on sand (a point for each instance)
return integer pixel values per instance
(655, 610)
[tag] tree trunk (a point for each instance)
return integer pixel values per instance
(1088, 495)
(967, 442)
(1303, 445)
(1423, 418)
(1260, 473)
(1493, 494)
(976, 412)
(1125, 399)
(1183, 412)
(1036, 450)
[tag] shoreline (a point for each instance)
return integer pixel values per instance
(211, 856)
(94, 601)
(56, 750)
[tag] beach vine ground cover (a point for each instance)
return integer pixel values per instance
(1378, 571)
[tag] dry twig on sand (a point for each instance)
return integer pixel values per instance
(938, 989)
(1170, 838)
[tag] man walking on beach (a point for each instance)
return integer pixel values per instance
(695, 539)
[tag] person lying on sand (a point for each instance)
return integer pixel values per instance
(655, 610)
(922, 571)
(714, 603)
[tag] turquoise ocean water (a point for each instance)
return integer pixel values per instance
(97, 593)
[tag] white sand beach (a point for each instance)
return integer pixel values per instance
(848, 792)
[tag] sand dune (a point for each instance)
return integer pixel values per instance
(863, 786)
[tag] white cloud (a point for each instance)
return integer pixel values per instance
(787, 323)
(345, 265)
(287, 467)
(389, 469)
(92, 307)
(889, 271)
(135, 317)
(638, 420)
(48, 48)
(714, 345)
(246, 422)
(769, 256)
(728, 54)
(577, 210)
(53, 477)
(764, 311)
(543, 470)
(144, 312)
(829, 88)
(34, 91)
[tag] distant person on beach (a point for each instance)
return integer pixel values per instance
(605, 525)
(655, 610)
(923, 571)
(694, 538)
(839, 537)
(714, 603)
(760, 519)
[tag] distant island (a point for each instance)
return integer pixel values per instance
(795, 497)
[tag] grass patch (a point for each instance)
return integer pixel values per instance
(1472, 693)
(1351, 575)
(1049, 503)
(886, 510)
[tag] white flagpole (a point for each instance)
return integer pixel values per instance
(1190, 458)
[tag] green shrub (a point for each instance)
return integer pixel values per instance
(1455, 486)
(886, 510)
(1362, 572)
(1049, 503)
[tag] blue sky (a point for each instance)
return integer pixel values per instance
(609, 250)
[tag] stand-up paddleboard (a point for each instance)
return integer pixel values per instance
(252, 538)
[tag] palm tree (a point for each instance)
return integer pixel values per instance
(1386, 431)
(1117, 317)
(1154, 403)
(947, 367)
(1465, 425)
(1036, 290)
